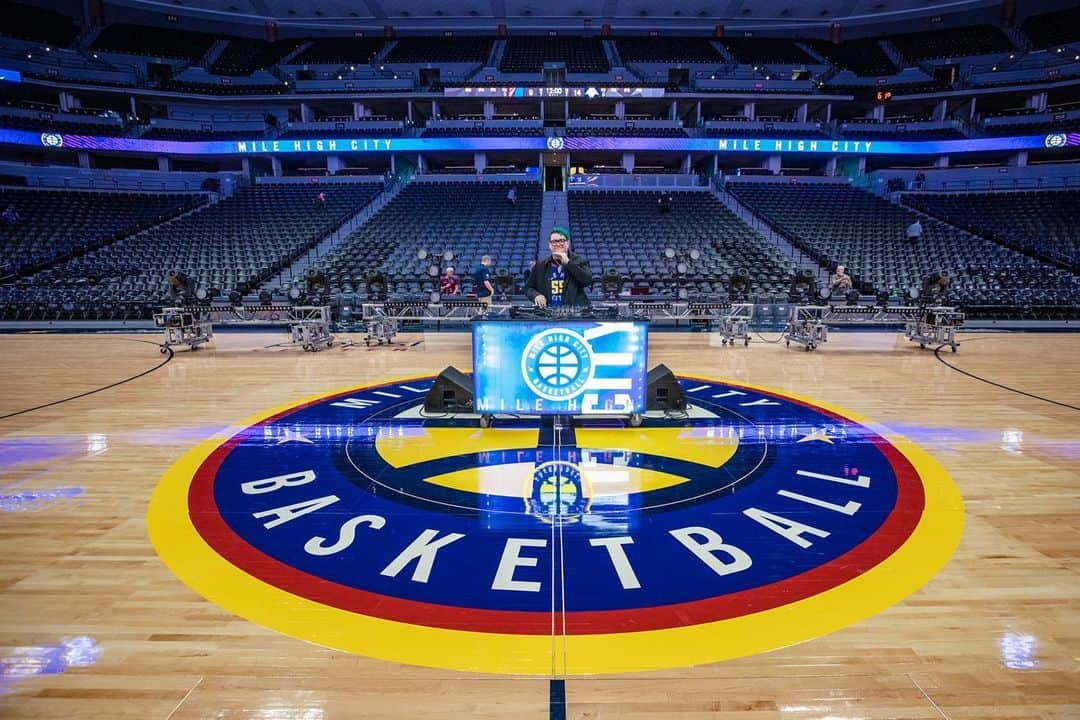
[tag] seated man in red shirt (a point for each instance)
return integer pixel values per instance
(449, 283)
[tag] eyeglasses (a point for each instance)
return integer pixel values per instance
(561, 241)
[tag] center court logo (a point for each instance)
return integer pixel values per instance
(756, 521)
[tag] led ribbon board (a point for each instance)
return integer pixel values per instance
(733, 144)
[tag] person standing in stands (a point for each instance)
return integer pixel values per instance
(10, 216)
(511, 196)
(449, 283)
(560, 279)
(485, 291)
(914, 231)
(920, 180)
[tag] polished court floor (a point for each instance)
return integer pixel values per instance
(94, 624)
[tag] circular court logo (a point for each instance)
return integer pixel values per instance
(754, 521)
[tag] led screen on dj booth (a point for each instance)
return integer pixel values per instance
(573, 367)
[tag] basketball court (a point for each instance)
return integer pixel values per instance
(247, 530)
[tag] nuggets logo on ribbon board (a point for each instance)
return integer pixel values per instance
(754, 521)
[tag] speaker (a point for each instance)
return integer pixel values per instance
(662, 390)
(451, 393)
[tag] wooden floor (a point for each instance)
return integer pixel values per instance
(93, 625)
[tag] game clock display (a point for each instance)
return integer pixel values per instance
(564, 368)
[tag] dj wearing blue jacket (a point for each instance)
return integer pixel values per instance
(560, 279)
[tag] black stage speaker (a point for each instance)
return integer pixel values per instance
(662, 390)
(451, 393)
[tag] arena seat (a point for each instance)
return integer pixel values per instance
(839, 224)
(470, 219)
(236, 243)
(680, 50)
(457, 49)
(527, 54)
(1053, 28)
(952, 43)
(863, 56)
(57, 224)
(154, 42)
(625, 231)
(243, 56)
(1042, 223)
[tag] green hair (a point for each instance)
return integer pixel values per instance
(560, 231)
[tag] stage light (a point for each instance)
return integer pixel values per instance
(883, 298)
(202, 294)
(235, 298)
(611, 284)
(669, 253)
(935, 286)
(421, 254)
(504, 281)
(695, 254)
(434, 297)
(376, 284)
(739, 284)
(317, 284)
(681, 268)
(803, 286)
(433, 271)
(852, 297)
(180, 287)
(448, 255)
(265, 298)
(296, 294)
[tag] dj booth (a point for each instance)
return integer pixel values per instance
(557, 367)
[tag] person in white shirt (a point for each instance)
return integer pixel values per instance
(914, 231)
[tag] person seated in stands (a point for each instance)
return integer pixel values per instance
(914, 231)
(560, 279)
(10, 215)
(840, 280)
(449, 283)
(511, 196)
(664, 202)
(321, 199)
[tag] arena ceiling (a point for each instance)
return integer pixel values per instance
(576, 14)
